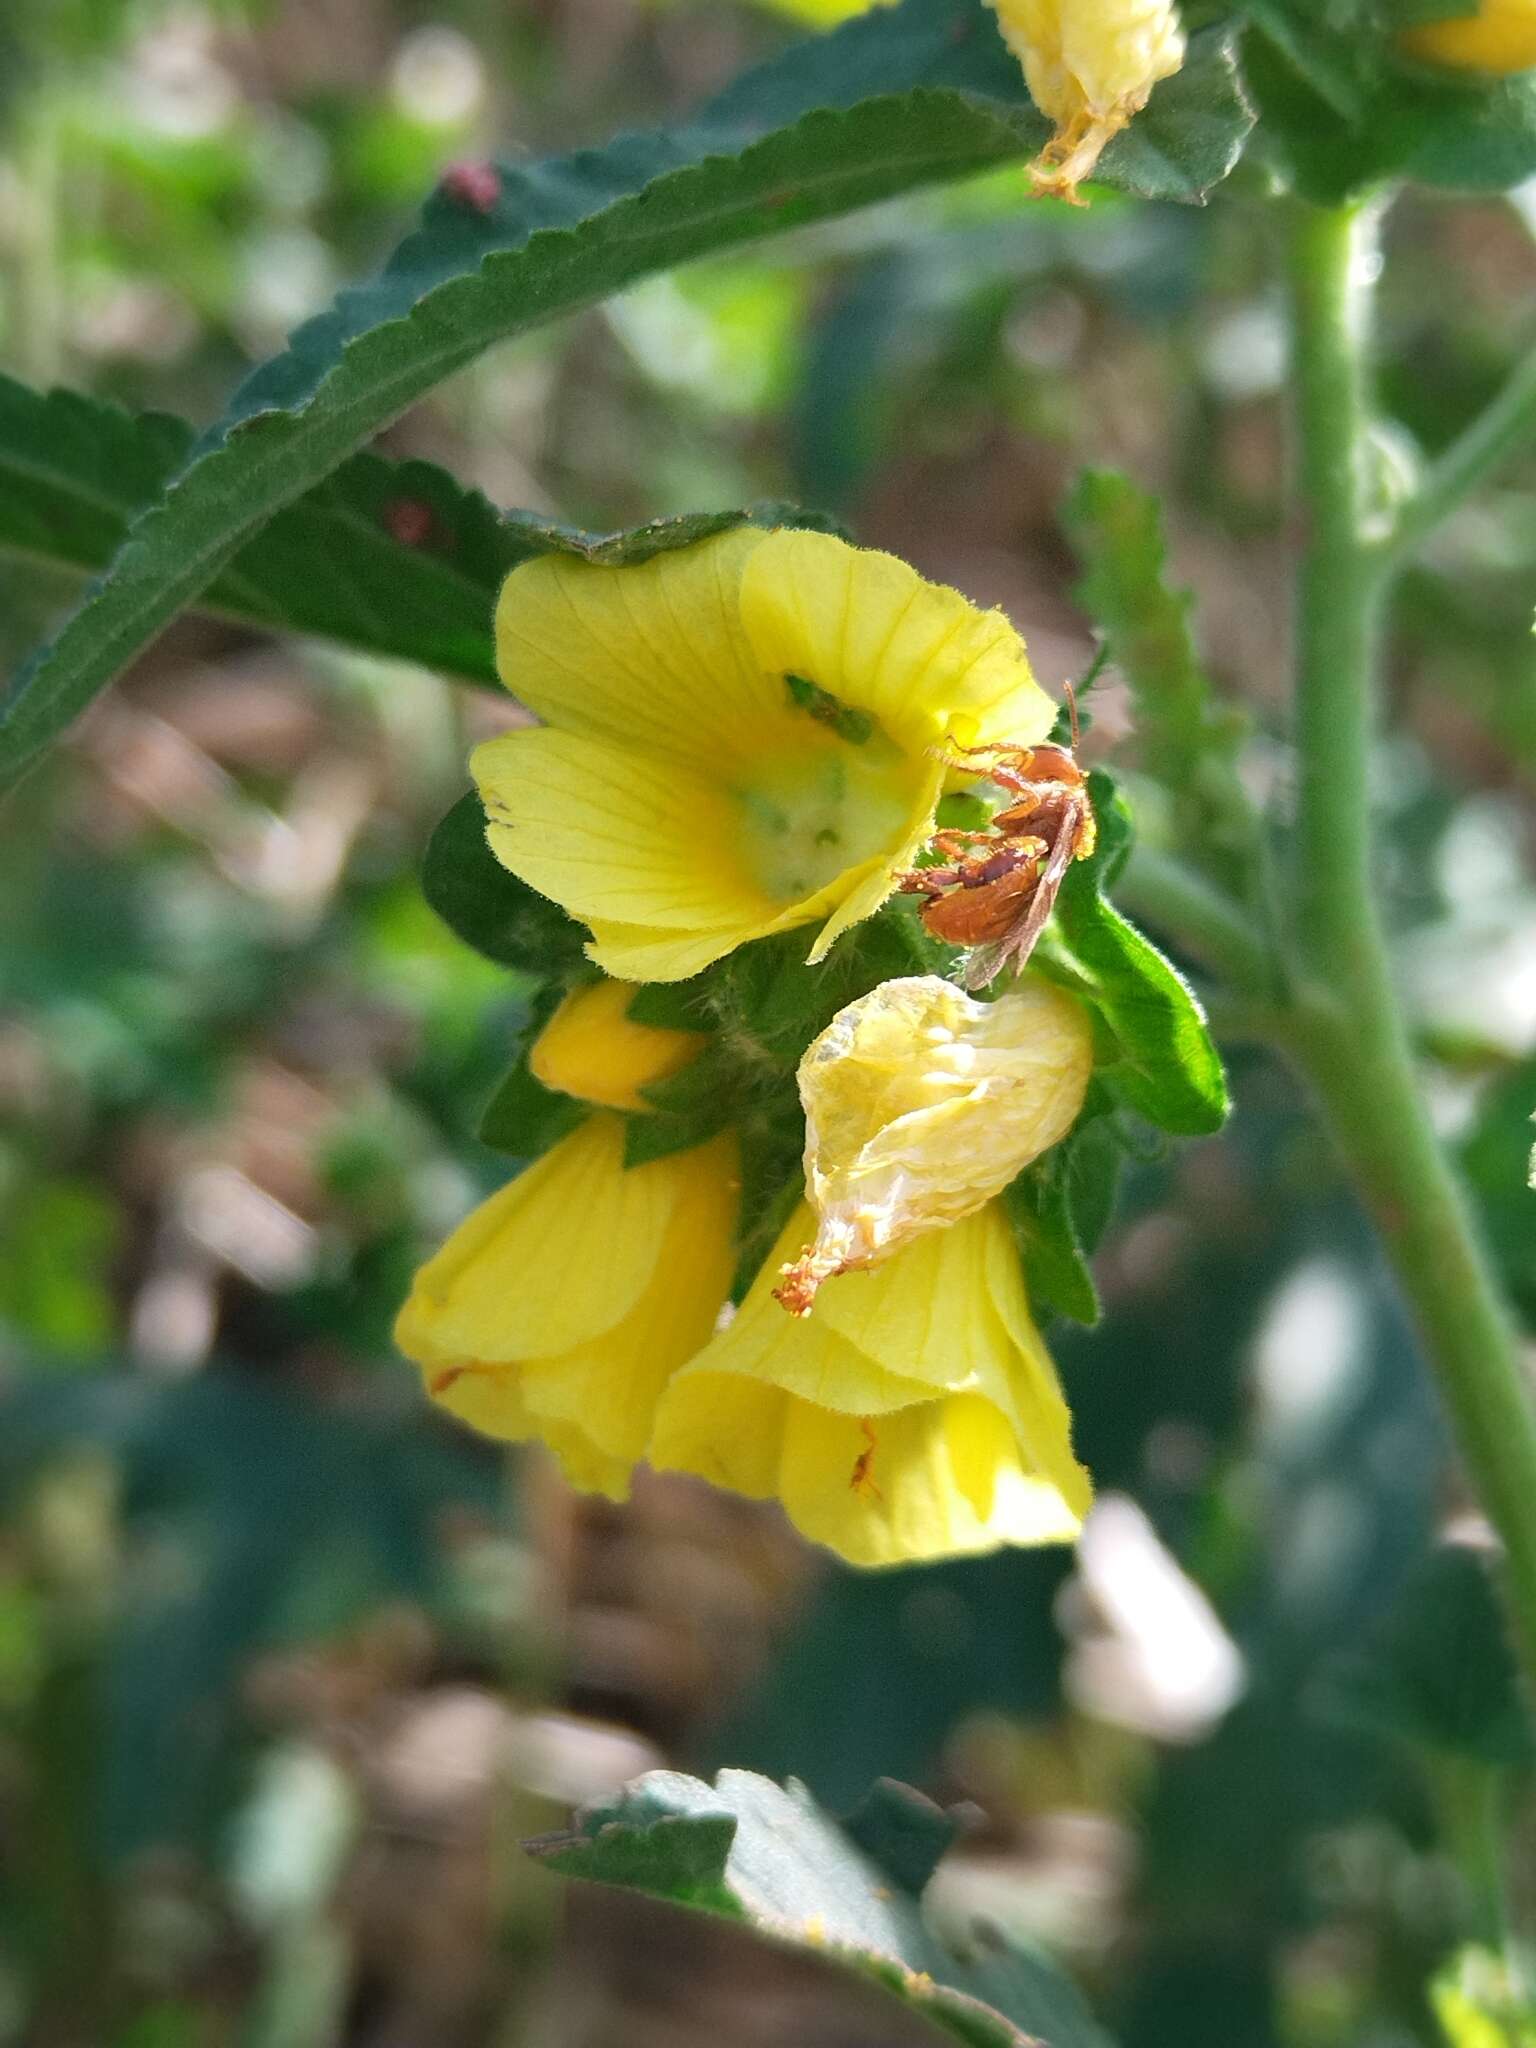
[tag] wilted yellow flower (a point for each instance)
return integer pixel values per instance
(916, 1415)
(559, 1308)
(591, 1047)
(1090, 66)
(740, 736)
(1499, 38)
(921, 1105)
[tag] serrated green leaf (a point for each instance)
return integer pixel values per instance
(390, 558)
(1188, 738)
(898, 98)
(488, 907)
(1169, 1071)
(769, 1855)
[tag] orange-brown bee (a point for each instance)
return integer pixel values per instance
(998, 887)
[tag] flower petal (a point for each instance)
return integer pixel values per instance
(615, 834)
(490, 1400)
(865, 626)
(649, 654)
(609, 1388)
(551, 1261)
(940, 1478)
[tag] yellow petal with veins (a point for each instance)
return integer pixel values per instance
(916, 1415)
(558, 1309)
(917, 656)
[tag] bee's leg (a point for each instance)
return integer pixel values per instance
(954, 842)
(926, 881)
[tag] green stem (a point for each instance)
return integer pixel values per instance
(1350, 1036)
(1497, 433)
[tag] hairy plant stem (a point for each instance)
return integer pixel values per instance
(1349, 1034)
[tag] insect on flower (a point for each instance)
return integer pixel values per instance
(997, 888)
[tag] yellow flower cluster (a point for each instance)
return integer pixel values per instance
(917, 1415)
(740, 737)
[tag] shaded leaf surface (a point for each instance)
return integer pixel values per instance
(769, 1855)
(391, 558)
(898, 98)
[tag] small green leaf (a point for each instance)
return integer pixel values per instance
(1060, 1206)
(690, 1108)
(762, 1853)
(1169, 1070)
(488, 907)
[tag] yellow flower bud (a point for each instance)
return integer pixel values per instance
(592, 1048)
(1090, 66)
(921, 1105)
(1498, 39)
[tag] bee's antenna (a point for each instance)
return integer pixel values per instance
(1072, 714)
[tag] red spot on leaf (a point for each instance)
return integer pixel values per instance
(409, 521)
(475, 185)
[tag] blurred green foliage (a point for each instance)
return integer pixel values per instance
(242, 1069)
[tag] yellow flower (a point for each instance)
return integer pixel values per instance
(740, 737)
(591, 1047)
(916, 1415)
(921, 1105)
(559, 1308)
(1090, 66)
(1498, 39)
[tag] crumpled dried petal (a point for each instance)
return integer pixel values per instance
(921, 1104)
(591, 1047)
(1090, 66)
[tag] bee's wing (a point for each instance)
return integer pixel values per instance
(985, 963)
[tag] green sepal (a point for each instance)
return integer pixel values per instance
(1168, 1069)
(689, 1108)
(524, 1118)
(488, 907)
(1059, 1207)
(772, 1182)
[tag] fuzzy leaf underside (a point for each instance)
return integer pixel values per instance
(767, 1854)
(894, 100)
